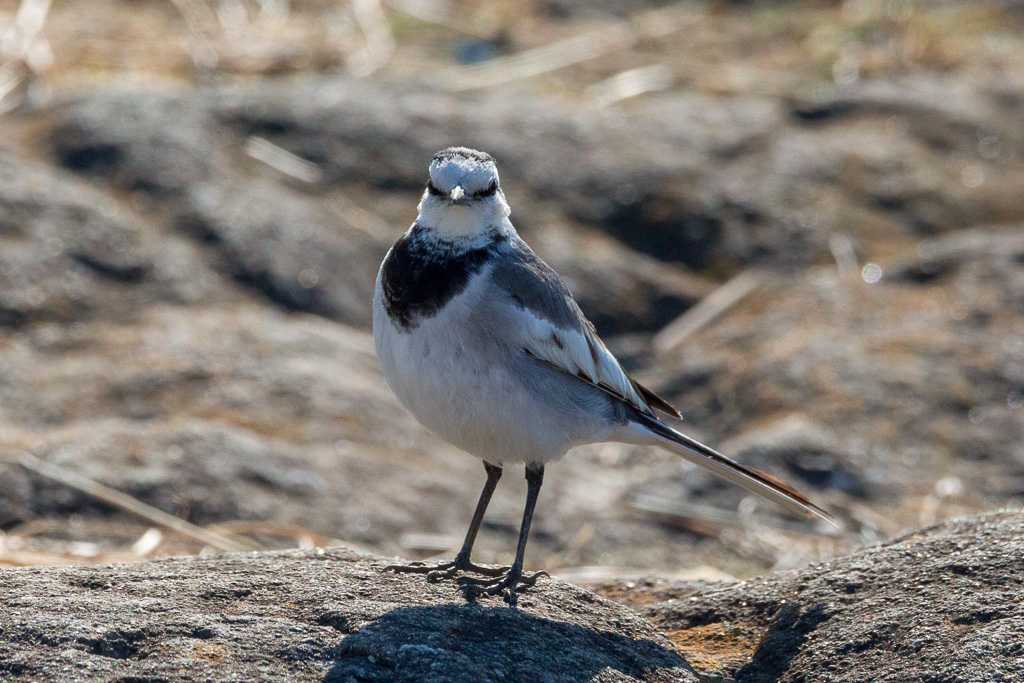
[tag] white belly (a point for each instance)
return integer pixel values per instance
(457, 385)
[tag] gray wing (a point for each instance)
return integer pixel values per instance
(549, 325)
(552, 328)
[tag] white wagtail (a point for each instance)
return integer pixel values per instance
(483, 342)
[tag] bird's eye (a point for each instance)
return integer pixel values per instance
(432, 189)
(491, 189)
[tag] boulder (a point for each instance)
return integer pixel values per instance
(69, 252)
(314, 245)
(714, 183)
(329, 615)
(936, 604)
(940, 603)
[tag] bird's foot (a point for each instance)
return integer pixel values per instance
(507, 585)
(446, 570)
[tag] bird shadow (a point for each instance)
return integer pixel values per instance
(473, 643)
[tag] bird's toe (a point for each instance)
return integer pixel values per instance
(508, 585)
(419, 568)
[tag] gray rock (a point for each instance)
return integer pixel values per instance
(69, 252)
(937, 604)
(154, 144)
(642, 177)
(314, 615)
(941, 603)
(917, 376)
(714, 183)
(302, 245)
(293, 249)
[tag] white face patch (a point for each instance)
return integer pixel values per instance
(458, 222)
(458, 204)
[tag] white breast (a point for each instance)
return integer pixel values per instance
(457, 383)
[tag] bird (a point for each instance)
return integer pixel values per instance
(483, 342)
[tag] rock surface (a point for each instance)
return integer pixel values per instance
(713, 183)
(314, 246)
(938, 604)
(325, 615)
(915, 375)
(70, 252)
(941, 603)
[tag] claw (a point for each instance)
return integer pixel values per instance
(531, 580)
(439, 574)
(524, 579)
(487, 571)
(507, 586)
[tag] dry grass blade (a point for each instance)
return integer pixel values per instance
(17, 550)
(630, 83)
(380, 42)
(25, 53)
(431, 543)
(202, 25)
(429, 13)
(538, 61)
(148, 542)
(13, 79)
(129, 504)
(17, 557)
(28, 24)
(564, 53)
(358, 217)
(31, 558)
(707, 311)
(302, 537)
(282, 161)
(597, 574)
(845, 254)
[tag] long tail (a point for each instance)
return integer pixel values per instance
(730, 470)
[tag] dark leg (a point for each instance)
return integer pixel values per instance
(510, 583)
(461, 562)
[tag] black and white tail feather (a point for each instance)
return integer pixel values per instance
(756, 482)
(644, 418)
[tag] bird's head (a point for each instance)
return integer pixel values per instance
(463, 195)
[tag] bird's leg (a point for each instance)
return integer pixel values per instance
(461, 563)
(509, 583)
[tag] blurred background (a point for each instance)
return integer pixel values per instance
(800, 221)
